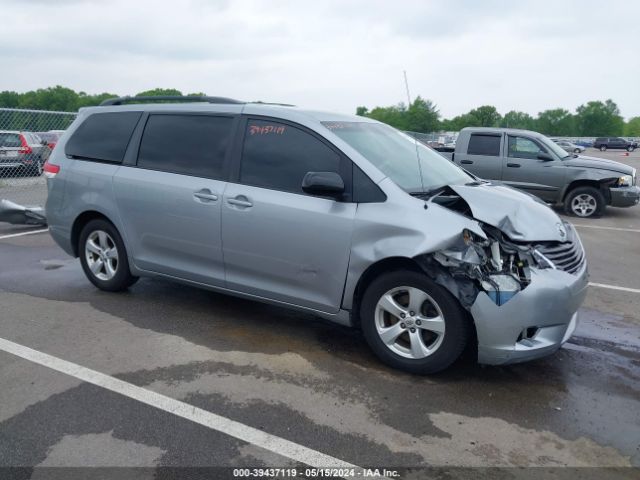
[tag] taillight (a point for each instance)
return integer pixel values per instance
(25, 149)
(50, 170)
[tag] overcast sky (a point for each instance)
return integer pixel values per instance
(526, 55)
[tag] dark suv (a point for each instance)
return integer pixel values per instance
(614, 142)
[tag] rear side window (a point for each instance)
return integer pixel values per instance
(10, 140)
(187, 144)
(488, 145)
(103, 136)
(278, 156)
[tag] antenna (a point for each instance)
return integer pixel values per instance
(415, 139)
(406, 85)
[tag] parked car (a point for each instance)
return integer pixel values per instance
(337, 215)
(22, 152)
(531, 162)
(568, 146)
(51, 137)
(604, 143)
(587, 143)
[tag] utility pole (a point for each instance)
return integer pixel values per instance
(406, 85)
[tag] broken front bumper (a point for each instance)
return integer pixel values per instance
(535, 322)
(624, 196)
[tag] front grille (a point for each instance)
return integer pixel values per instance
(567, 256)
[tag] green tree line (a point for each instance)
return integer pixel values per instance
(67, 100)
(595, 118)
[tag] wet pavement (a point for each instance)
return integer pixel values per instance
(300, 378)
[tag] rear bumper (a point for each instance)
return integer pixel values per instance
(548, 306)
(624, 196)
(20, 161)
(62, 237)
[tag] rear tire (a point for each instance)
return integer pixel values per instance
(576, 150)
(429, 337)
(103, 256)
(585, 202)
(603, 148)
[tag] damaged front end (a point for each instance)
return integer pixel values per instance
(493, 264)
(522, 294)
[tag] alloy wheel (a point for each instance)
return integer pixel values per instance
(101, 254)
(409, 322)
(584, 205)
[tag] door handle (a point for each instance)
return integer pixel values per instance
(513, 165)
(240, 201)
(466, 162)
(206, 195)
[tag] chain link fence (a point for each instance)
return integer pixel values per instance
(27, 138)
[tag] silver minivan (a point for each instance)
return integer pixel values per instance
(337, 215)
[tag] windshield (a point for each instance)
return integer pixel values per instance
(397, 156)
(554, 147)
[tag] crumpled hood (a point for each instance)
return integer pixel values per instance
(520, 216)
(601, 163)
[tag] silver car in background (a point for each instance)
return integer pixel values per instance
(337, 215)
(568, 146)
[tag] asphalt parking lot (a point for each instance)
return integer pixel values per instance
(278, 388)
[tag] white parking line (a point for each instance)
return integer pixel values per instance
(614, 287)
(238, 430)
(21, 234)
(619, 229)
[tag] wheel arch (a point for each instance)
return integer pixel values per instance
(602, 185)
(79, 223)
(372, 272)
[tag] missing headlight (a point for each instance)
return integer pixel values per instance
(500, 288)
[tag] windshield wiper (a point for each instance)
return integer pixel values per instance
(429, 193)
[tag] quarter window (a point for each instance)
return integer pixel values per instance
(488, 145)
(187, 144)
(103, 136)
(278, 156)
(521, 147)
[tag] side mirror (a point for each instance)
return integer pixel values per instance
(545, 156)
(327, 184)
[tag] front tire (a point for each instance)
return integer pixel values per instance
(413, 324)
(576, 150)
(103, 256)
(603, 148)
(585, 202)
(630, 148)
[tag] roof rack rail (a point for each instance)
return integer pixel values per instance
(172, 98)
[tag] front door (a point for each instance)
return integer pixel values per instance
(524, 169)
(280, 243)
